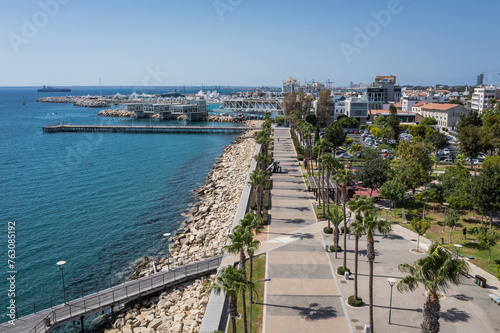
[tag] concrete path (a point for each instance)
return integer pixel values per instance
(302, 295)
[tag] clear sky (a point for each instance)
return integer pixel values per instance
(246, 42)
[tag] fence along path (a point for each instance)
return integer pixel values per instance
(46, 320)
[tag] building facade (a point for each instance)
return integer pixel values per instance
(357, 107)
(481, 97)
(447, 115)
(384, 89)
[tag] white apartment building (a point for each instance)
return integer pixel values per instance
(482, 96)
(291, 85)
(407, 102)
(357, 107)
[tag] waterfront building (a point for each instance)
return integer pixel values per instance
(447, 115)
(384, 89)
(481, 97)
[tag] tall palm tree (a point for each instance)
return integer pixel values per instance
(344, 177)
(259, 181)
(437, 272)
(253, 224)
(336, 218)
(361, 206)
(261, 160)
(231, 281)
(240, 238)
(371, 224)
(330, 164)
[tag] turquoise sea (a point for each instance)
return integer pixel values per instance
(98, 201)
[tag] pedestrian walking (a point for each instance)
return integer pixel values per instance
(464, 233)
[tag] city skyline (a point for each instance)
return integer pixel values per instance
(243, 43)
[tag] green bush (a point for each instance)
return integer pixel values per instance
(342, 230)
(332, 248)
(355, 302)
(341, 270)
(497, 269)
(327, 230)
(362, 127)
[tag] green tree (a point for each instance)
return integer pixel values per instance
(259, 181)
(420, 226)
(347, 122)
(471, 138)
(375, 175)
(336, 217)
(380, 121)
(437, 271)
(252, 224)
(472, 118)
(324, 104)
(456, 101)
(437, 140)
(290, 102)
(312, 119)
(261, 160)
(279, 119)
(487, 240)
(372, 224)
(240, 238)
(393, 190)
(344, 177)
(336, 135)
(231, 282)
(393, 123)
(428, 121)
(361, 206)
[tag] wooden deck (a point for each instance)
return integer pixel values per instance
(145, 129)
(107, 298)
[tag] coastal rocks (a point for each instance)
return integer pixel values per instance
(178, 310)
(91, 103)
(224, 119)
(115, 113)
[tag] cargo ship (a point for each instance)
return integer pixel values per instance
(52, 89)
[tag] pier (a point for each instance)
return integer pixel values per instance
(144, 129)
(48, 319)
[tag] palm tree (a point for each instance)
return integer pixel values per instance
(262, 160)
(240, 237)
(231, 281)
(344, 177)
(336, 218)
(371, 223)
(258, 180)
(437, 271)
(330, 163)
(253, 224)
(361, 206)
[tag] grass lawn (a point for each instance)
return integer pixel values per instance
(259, 273)
(319, 210)
(470, 247)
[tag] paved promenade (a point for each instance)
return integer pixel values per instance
(304, 294)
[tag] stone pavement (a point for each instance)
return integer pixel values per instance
(302, 295)
(305, 295)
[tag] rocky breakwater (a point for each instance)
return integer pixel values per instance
(178, 310)
(115, 113)
(224, 119)
(204, 233)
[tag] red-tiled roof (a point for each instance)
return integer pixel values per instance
(418, 104)
(439, 106)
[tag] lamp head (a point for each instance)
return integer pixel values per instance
(392, 281)
(61, 263)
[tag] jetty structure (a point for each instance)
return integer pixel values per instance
(145, 129)
(194, 110)
(255, 106)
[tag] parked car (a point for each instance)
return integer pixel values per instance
(339, 152)
(356, 132)
(345, 155)
(477, 162)
(384, 151)
(448, 160)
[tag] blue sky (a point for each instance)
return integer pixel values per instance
(246, 42)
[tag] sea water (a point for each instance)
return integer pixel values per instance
(98, 201)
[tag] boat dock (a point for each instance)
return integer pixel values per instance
(144, 129)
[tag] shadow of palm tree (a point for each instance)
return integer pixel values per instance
(315, 312)
(454, 315)
(462, 297)
(303, 236)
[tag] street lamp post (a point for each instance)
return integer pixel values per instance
(423, 213)
(359, 185)
(457, 246)
(445, 206)
(61, 265)
(252, 303)
(387, 209)
(391, 281)
(166, 235)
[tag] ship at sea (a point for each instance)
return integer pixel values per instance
(52, 89)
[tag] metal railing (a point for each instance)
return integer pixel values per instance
(124, 292)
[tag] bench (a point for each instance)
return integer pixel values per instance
(480, 281)
(495, 298)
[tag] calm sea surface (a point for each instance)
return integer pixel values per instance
(99, 201)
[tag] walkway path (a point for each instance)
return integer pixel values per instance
(302, 295)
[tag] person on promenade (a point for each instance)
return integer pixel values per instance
(464, 233)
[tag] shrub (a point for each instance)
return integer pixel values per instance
(355, 302)
(342, 230)
(497, 269)
(341, 270)
(362, 127)
(327, 230)
(339, 249)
